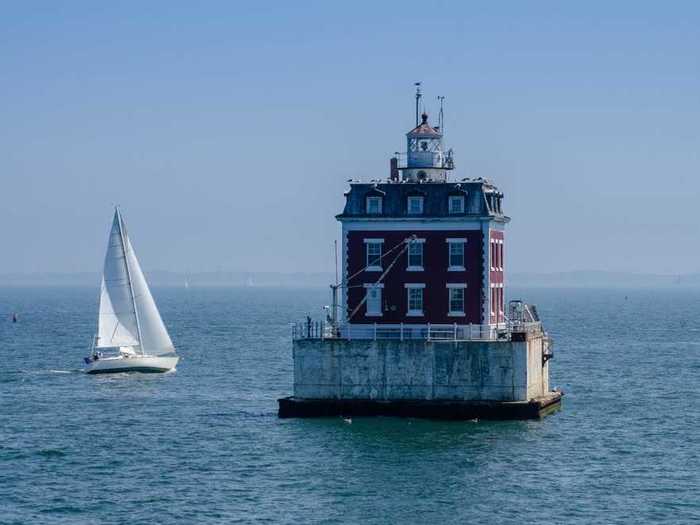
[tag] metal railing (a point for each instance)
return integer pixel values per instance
(404, 332)
(424, 159)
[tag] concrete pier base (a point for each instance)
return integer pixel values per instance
(460, 379)
(429, 409)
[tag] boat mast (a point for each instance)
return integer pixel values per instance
(128, 276)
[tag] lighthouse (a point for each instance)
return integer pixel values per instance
(436, 243)
(419, 325)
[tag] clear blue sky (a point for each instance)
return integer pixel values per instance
(227, 130)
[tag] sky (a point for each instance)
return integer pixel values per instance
(226, 131)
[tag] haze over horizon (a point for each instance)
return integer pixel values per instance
(227, 132)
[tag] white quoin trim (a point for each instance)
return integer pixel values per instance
(486, 258)
(343, 307)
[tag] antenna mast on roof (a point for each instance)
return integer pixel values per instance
(419, 95)
(442, 115)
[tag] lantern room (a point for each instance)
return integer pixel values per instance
(425, 159)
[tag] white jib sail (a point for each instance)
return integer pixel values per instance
(154, 337)
(116, 325)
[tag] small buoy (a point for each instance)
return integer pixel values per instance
(14, 317)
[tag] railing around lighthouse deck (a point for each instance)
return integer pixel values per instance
(403, 332)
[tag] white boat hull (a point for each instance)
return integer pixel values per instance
(139, 363)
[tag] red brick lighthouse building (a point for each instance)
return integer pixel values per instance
(420, 328)
(420, 248)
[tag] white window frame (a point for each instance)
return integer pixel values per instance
(413, 312)
(456, 198)
(501, 302)
(450, 266)
(500, 312)
(500, 254)
(368, 312)
(414, 198)
(456, 286)
(412, 267)
(374, 267)
(378, 200)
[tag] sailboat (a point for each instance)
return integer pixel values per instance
(129, 325)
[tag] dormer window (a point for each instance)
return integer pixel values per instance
(415, 205)
(456, 204)
(374, 205)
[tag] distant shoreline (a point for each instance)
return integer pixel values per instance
(574, 279)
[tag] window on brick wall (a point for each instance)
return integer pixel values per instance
(415, 298)
(493, 302)
(373, 302)
(456, 254)
(456, 299)
(496, 254)
(373, 251)
(415, 256)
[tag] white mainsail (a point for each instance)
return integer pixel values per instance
(128, 314)
(117, 324)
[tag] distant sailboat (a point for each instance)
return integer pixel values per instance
(129, 321)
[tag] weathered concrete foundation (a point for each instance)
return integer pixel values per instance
(498, 379)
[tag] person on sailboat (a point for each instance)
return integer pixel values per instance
(93, 357)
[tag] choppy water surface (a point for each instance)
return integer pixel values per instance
(204, 445)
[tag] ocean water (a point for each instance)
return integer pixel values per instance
(204, 444)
